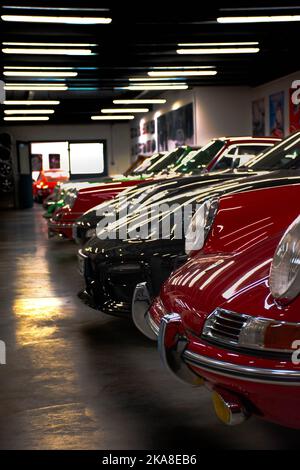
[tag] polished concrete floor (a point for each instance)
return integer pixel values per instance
(77, 379)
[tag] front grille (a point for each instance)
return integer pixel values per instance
(223, 326)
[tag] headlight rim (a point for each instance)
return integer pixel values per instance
(212, 210)
(292, 290)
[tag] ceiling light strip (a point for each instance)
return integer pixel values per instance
(153, 87)
(140, 101)
(26, 118)
(258, 19)
(29, 111)
(31, 102)
(39, 74)
(11, 50)
(112, 118)
(184, 73)
(84, 20)
(216, 44)
(47, 44)
(218, 50)
(35, 88)
(125, 110)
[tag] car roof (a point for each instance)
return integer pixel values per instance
(250, 139)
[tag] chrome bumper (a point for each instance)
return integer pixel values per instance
(172, 346)
(141, 302)
(177, 359)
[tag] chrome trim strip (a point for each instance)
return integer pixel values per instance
(172, 358)
(252, 374)
(141, 302)
(81, 254)
(152, 324)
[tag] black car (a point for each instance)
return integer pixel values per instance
(112, 268)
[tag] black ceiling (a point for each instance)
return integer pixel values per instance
(144, 35)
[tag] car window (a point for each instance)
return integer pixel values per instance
(285, 155)
(252, 149)
(197, 161)
(146, 163)
(167, 161)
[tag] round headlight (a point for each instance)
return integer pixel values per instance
(285, 268)
(200, 225)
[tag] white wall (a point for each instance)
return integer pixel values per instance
(117, 137)
(218, 111)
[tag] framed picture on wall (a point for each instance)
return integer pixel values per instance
(36, 162)
(258, 118)
(276, 104)
(294, 112)
(54, 161)
(176, 128)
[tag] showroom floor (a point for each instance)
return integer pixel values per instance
(76, 379)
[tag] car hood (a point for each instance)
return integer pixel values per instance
(194, 193)
(235, 282)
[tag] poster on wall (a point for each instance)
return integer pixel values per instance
(258, 118)
(276, 104)
(294, 112)
(54, 161)
(143, 138)
(36, 162)
(176, 128)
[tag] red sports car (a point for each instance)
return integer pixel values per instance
(46, 182)
(218, 154)
(229, 317)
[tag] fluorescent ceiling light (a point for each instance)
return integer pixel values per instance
(39, 74)
(31, 102)
(147, 79)
(154, 87)
(47, 44)
(258, 19)
(112, 118)
(190, 67)
(29, 111)
(137, 101)
(13, 67)
(56, 19)
(220, 50)
(215, 44)
(26, 118)
(24, 87)
(10, 50)
(184, 73)
(125, 110)
(18, 7)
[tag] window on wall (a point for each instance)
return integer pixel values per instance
(86, 158)
(76, 158)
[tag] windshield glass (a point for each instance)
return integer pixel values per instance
(285, 155)
(198, 160)
(167, 161)
(146, 163)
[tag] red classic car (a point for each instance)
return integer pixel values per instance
(46, 182)
(81, 201)
(229, 317)
(219, 154)
(61, 224)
